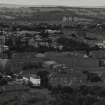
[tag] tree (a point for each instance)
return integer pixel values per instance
(44, 78)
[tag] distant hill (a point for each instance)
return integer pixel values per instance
(49, 13)
(10, 6)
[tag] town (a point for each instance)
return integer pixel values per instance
(52, 63)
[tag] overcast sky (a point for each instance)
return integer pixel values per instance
(57, 2)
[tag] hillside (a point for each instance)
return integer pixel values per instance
(51, 13)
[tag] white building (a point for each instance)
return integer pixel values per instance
(35, 80)
(101, 44)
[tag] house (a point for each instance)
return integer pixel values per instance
(29, 80)
(102, 62)
(101, 44)
(49, 63)
(49, 31)
(3, 48)
(34, 80)
(40, 55)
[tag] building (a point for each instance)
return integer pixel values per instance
(67, 20)
(101, 44)
(35, 80)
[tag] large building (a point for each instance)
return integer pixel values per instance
(67, 20)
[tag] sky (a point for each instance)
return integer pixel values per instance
(56, 2)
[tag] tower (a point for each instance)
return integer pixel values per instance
(67, 20)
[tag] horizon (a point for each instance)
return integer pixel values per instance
(70, 3)
(11, 5)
